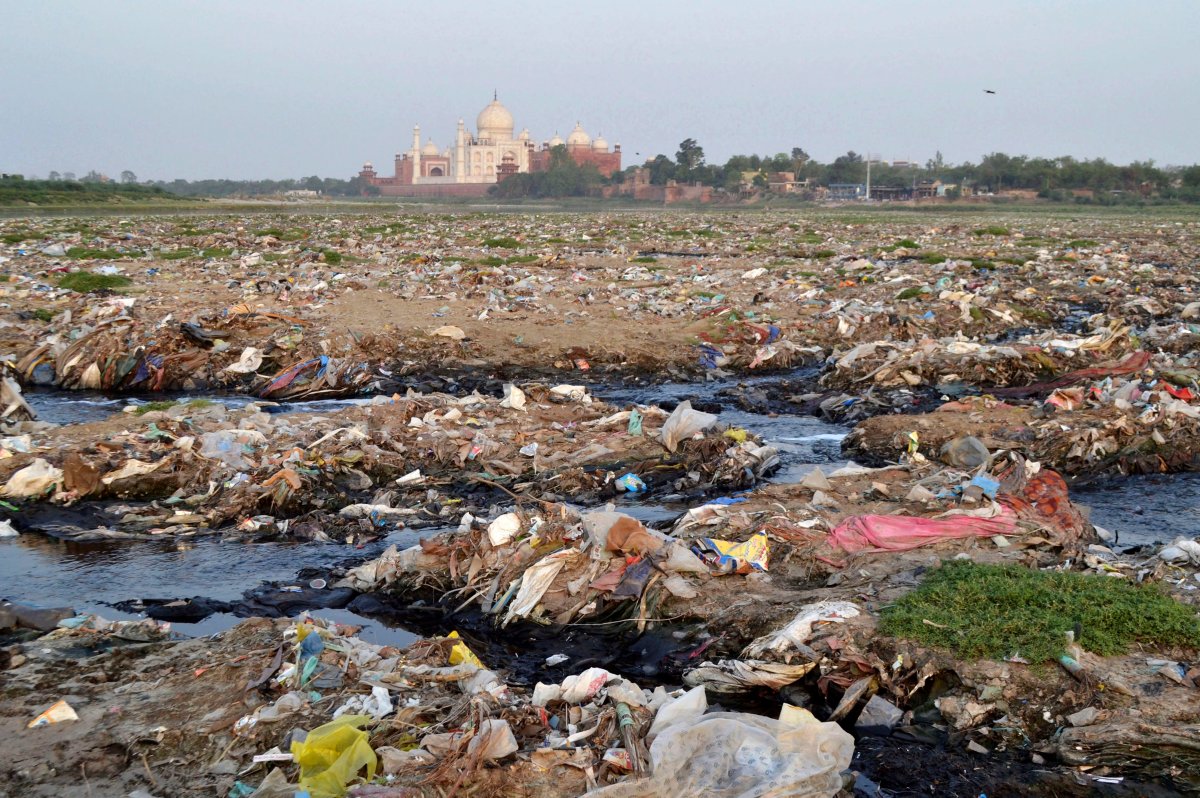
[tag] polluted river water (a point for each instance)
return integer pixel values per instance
(93, 576)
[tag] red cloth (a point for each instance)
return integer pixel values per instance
(1135, 362)
(901, 532)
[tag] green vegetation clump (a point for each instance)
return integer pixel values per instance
(332, 258)
(932, 258)
(992, 230)
(644, 259)
(16, 190)
(1033, 314)
(822, 254)
(167, 404)
(177, 254)
(154, 407)
(521, 259)
(490, 260)
(907, 243)
(1081, 243)
(283, 235)
(217, 252)
(810, 237)
(506, 242)
(996, 611)
(101, 254)
(912, 292)
(16, 237)
(87, 282)
(41, 314)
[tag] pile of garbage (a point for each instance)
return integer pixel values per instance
(319, 306)
(306, 706)
(364, 469)
(1137, 415)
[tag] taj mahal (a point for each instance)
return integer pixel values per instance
(478, 160)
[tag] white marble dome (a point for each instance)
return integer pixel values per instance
(495, 122)
(579, 137)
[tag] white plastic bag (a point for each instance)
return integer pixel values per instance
(32, 480)
(738, 755)
(683, 423)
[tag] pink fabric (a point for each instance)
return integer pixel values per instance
(900, 532)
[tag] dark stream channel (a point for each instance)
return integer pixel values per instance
(92, 577)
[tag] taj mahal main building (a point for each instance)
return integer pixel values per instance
(477, 161)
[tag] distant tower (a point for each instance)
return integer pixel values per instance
(416, 152)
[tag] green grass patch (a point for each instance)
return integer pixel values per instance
(217, 252)
(505, 242)
(995, 611)
(490, 260)
(911, 292)
(101, 254)
(1033, 314)
(932, 258)
(907, 243)
(154, 407)
(992, 230)
(177, 254)
(822, 254)
(273, 257)
(331, 257)
(16, 237)
(167, 404)
(644, 259)
(1081, 243)
(86, 282)
(41, 314)
(295, 234)
(810, 237)
(521, 259)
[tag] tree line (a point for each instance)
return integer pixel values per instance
(1052, 178)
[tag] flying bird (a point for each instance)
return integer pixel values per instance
(988, 91)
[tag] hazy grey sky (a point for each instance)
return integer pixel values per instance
(249, 89)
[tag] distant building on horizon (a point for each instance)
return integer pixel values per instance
(475, 162)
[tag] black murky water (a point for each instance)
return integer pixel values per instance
(1144, 510)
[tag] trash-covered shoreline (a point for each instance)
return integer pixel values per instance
(942, 600)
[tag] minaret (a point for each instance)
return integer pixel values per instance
(460, 152)
(416, 153)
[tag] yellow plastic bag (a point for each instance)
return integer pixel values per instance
(729, 557)
(460, 653)
(332, 755)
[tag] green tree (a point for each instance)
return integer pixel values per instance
(128, 177)
(689, 158)
(799, 158)
(848, 168)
